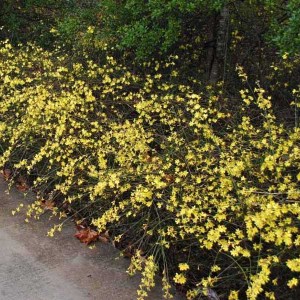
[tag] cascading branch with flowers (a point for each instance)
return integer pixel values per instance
(204, 187)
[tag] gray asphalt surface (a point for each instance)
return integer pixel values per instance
(36, 267)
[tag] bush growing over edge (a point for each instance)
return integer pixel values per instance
(205, 188)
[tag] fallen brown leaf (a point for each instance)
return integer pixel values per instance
(47, 204)
(169, 178)
(87, 235)
(128, 251)
(7, 173)
(22, 187)
(104, 237)
(22, 184)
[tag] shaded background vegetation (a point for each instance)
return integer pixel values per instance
(150, 28)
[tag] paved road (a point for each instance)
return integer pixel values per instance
(35, 267)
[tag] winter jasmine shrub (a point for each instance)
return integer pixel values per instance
(203, 187)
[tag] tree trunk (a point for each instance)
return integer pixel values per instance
(218, 57)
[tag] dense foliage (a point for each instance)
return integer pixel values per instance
(147, 28)
(171, 127)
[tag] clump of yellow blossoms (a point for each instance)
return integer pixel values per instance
(168, 164)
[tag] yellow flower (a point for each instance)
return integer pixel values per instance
(183, 266)
(179, 278)
(234, 295)
(90, 29)
(293, 282)
(294, 264)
